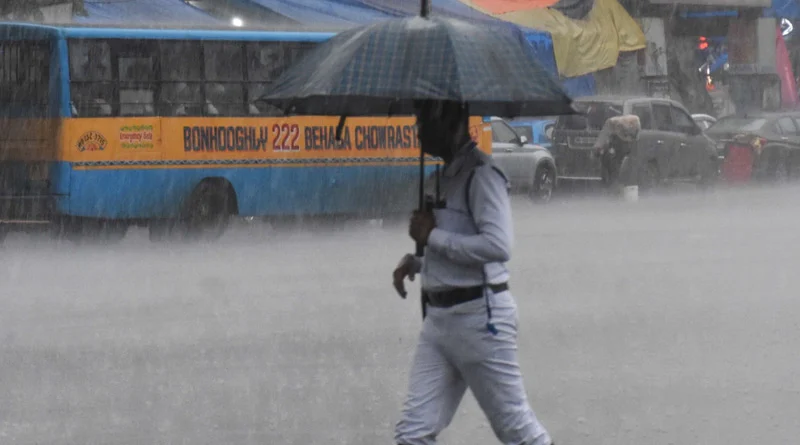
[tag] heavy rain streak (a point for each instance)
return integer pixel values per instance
(182, 261)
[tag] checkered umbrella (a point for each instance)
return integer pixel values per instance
(381, 69)
(384, 68)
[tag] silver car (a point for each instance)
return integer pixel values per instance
(671, 145)
(704, 121)
(530, 168)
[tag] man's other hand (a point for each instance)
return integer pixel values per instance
(406, 268)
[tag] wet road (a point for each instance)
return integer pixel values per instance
(674, 320)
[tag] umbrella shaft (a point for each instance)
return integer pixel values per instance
(425, 8)
(420, 249)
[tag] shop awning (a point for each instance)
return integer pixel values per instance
(145, 13)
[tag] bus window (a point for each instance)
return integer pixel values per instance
(181, 77)
(24, 78)
(90, 60)
(181, 99)
(223, 61)
(224, 70)
(254, 91)
(136, 74)
(266, 61)
(181, 61)
(225, 99)
(91, 77)
(136, 102)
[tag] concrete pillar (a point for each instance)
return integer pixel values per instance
(751, 58)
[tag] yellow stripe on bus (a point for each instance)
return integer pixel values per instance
(194, 139)
(197, 166)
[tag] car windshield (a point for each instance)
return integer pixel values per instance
(593, 116)
(729, 124)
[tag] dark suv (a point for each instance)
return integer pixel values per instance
(671, 145)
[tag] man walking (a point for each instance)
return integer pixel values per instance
(469, 335)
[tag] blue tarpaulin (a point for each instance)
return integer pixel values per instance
(343, 12)
(449, 8)
(324, 12)
(580, 86)
(144, 13)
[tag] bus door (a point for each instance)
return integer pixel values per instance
(28, 126)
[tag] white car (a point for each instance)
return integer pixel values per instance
(530, 168)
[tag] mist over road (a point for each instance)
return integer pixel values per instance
(674, 320)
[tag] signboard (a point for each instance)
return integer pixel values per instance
(742, 3)
(658, 87)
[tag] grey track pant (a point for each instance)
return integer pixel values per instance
(456, 351)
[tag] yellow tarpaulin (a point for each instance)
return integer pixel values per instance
(580, 46)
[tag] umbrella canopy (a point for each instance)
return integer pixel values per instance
(381, 69)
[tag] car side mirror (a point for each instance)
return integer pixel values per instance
(523, 140)
(695, 130)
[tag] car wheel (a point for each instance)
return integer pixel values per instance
(544, 183)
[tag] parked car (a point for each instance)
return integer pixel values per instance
(760, 145)
(671, 145)
(530, 168)
(704, 121)
(538, 131)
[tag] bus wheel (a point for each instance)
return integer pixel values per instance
(209, 210)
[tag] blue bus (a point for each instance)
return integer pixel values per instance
(106, 128)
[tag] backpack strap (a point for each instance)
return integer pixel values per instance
(469, 185)
(489, 325)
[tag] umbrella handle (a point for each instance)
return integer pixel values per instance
(340, 127)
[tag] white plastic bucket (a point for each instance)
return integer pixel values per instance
(631, 193)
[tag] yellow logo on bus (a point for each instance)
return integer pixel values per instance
(92, 141)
